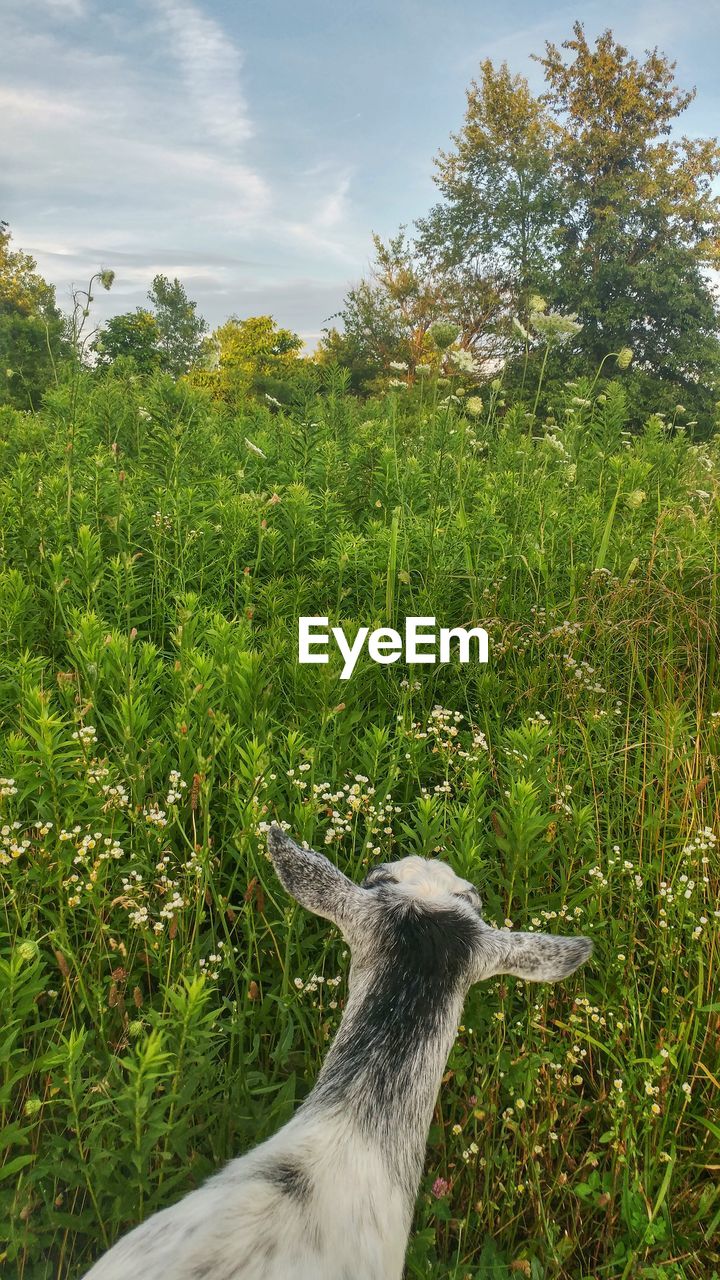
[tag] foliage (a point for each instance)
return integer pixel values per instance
(133, 335)
(372, 336)
(582, 195)
(388, 319)
(500, 194)
(179, 329)
(252, 356)
(641, 220)
(31, 328)
(162, 1007)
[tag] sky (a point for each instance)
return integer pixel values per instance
(251, 148)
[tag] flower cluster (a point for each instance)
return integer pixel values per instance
(442, 732)
(583, 674)
(155, 816)
(314, 984)
(116, 797)
(86, 735)
(352, 800)
(175, 789)
(11, 844)
(554, 327)
(463, 361)
(107, 847)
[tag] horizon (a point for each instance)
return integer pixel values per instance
(254, 159)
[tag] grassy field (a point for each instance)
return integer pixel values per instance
(163, 1004)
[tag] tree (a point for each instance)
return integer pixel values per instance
(385, 318)
(245, 357)
(479, 255)
(134, 335)
(640, 223)
(32, 330)
(388, 318)
(352, 351)
(180, 330)
(500, 194)
(582, 196)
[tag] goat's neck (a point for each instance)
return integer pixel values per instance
(385, 1065)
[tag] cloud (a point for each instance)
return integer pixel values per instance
(300, 303)
(325, 229)
(66, 8)
(210, 64)
(333, 210)
(175, 259)
(32, 105)
(142, 157)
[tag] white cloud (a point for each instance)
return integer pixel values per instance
(333, 211)
(39, 108)
(210, 65)
(131, 147)
(66, 8)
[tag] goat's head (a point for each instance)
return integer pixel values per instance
(419, 907)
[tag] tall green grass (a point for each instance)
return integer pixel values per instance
(162, 1004)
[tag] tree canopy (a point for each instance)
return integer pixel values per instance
(639, 222)
(180, 331)
(32, 330)
(248, 356)
(133, 335)
(169, 337)
(583, 195)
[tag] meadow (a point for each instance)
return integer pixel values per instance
(163, 1004)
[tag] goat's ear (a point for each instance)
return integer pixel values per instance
(313, 881)
(535, 957)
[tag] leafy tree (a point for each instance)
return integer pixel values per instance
(388, 318)
(479, 255)
(32, 330)
(495, 222)
(180, 330)
(134, 335)
(349, 352)
(640, 223)
(385, 318)
(582, 197)
(246, 357)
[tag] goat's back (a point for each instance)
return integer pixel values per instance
(312, 1203)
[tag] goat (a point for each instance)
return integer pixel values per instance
(331, 1195)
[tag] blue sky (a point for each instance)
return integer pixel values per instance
(252, 148)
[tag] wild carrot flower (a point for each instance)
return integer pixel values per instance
(463, 360)
(442, 334)
(254, 448)
(554, 327)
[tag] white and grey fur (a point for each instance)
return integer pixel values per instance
(331, 1196)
